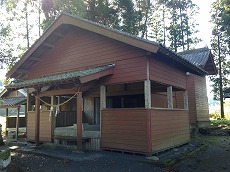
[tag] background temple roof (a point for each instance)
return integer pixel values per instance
(201, 57)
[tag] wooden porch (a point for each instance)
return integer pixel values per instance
(65, 134)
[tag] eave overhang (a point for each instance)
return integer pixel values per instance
(77, 76)
(190, 67)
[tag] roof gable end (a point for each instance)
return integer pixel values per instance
(201, 57)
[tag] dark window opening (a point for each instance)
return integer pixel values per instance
(126, 101)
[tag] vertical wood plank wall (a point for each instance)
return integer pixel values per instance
(191, 99)
(81, 49)
(124, 129)
(202, 108)
(30, 126)
(169, 128)
(197, 98)
(45, 127)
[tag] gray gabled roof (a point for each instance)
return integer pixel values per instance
(198, 57)
(201, 57)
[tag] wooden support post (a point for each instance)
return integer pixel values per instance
(147, 89)
(102, 102)
(103, 97)
(170, 97)
(26, 115)
(7, 114)
(52, 117)
(79, 122)
(37, 119)
(28, 103)
(17, 123)
(186, 100)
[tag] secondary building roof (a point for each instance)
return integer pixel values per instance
(83, 76)
(201, 57)
(12, 102)
(62, 25)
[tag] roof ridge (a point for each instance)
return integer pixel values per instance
(192, 50)
(110, 28)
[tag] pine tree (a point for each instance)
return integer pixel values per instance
(157, 23)
(179, 23)
(128, 15)
(220, 45)
(101, 11)
(53, 8)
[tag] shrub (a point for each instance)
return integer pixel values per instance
(215, 115)
(4, 154)
(221, 122)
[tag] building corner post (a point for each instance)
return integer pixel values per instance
(102, 102)
(79, 121)
(170, 97)
(37, 119)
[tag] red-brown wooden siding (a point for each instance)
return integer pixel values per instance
(160, 100)
(143, 130)
(179, 97)
(169, 128)
(124, 129)
(164, 73)
(45, 127)
(81, 49)
(202, 108)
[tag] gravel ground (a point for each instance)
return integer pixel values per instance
(29, 162)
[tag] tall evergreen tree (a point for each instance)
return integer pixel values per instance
(21, 33)
(128, 15)
(157, 23)
(220, 45)
(101, 11)
(179, 23)
(52, 8)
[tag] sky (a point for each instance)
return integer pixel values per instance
(205, 29)
(204, 19)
